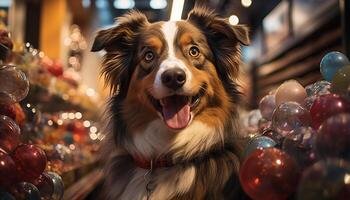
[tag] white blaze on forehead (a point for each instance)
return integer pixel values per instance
(169, 30)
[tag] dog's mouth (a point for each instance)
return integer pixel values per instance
(176, 109)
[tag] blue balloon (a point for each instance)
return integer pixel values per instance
(261, 142)
(331, 63)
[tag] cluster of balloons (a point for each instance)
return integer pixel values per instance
(301, 149)
(22, 166)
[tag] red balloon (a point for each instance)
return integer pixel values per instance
(326, 106)
(9, 134)
(30, 161)
(269, 174)
(7, 170)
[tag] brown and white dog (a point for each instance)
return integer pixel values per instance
(173, 127)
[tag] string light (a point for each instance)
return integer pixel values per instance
(246, 3)
(233, 19)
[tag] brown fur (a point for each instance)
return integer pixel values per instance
(205, 155)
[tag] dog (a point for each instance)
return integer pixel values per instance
(172, 121)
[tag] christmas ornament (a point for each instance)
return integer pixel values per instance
(341, 81)
(333, 137)
(9, 134)
(326, 106)
(26, 191)
(8, 173)
(290, 91)
(267, 105)
(331, 63)
(289, 116)
(325, 180)
(30, 161)
(261, 142)
(58, 186)
(45, 186)
(269, 174)
(14, 85)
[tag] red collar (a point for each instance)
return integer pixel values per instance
(152, 164)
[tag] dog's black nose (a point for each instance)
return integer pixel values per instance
(174, 78)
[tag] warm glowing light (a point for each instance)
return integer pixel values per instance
(93, 136)
(233, 19)
(93, 129)
(78, 115)
(86, 124)
(71, 115)
(64, 115)
(60, 122)
(279, 162)
(176, 10)
(90, 92)
(50, 122)
(72, 146)
(246, 3)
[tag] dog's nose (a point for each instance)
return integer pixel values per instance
(174, 78)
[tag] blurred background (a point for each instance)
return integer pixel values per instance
(51, 41)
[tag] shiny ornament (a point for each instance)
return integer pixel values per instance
(290, 90)
(318, 88)
(26, 191)
(261, 142)
(325, 180)
(14, 85)
(326, 106)
(8, 170)
(263, 125)
(299, 144)
(269, 174)
(45, 186)
(58, 186)
(289, 116)
(333, 138)
(341, 81)
(267, 105)
(278, 138)
(30, 161)
(331, 63)
(9, 134)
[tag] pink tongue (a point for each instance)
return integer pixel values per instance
(176, 112)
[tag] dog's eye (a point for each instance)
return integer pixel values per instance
(194, 51)
(149, 56)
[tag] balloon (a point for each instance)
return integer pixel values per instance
(267, 105)
(326, 106)
(253, 120)
(269, 174)
(263, 125)
(299, 144)
(58, 186)
(341, 81)
(45, 186)
(30, 161)
(333, 138)
(258, 143)
(278, 138)
(331, 63)
(325, 180)
(7, 169)
(9, 134)
(26, 191)
(14, 85)
(289, 116)
(318, 88)
(290, 91)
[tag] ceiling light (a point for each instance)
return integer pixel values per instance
(176, 10)
(158, 4)
(233, 19)
(246, 3)
(124, 4)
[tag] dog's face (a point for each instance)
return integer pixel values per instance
(179, 71)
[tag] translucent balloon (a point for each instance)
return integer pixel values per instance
(269, 174)
(299, 144)
(290, 90)
(326, 106)
(289, 116)
(30, 161)
(267, 105)
(58, 186)
(331, 63)
(261, 142)
(333, 138)
(325, 180)
(341, 81)
(9, 134)
(14, 85)
(318, 88)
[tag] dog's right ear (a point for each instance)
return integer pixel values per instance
(122, 34)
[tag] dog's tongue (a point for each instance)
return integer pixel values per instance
(176, 111)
